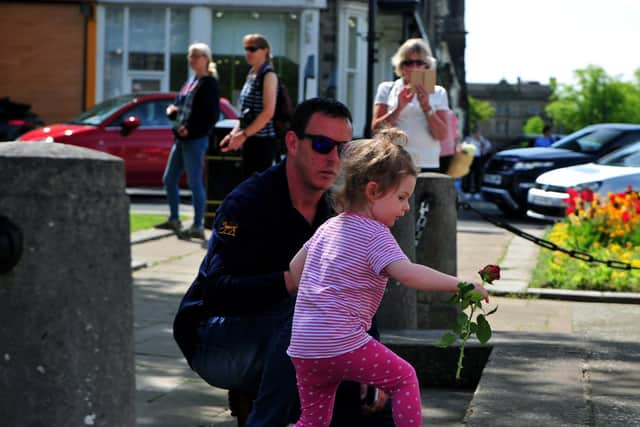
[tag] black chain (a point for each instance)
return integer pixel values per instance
(421, 222)
(583, 256)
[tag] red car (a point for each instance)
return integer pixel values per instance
(133, 127)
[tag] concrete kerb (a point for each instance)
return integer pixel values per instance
(149, 234)
(571, 295)
(144, 236)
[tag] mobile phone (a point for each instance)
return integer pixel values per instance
(372, 396)
(245, 118)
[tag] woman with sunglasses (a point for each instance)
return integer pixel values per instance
(420, 114)
(255, 133)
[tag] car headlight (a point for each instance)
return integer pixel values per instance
(593, 186)
(531, 165)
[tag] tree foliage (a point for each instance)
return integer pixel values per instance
(479, 111)
(595, 98)
(533, 126)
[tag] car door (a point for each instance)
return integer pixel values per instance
(146, 149)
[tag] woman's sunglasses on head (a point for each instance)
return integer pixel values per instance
(324, 145)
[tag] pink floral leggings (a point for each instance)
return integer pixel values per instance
(373, 364)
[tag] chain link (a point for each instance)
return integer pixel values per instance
(423, 212)
(582, 256)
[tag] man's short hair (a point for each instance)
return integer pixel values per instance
(327, 106)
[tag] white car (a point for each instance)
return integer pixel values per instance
(612, 173)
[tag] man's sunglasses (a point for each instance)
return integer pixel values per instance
(324, 145)
(251, 48)
(409, 62)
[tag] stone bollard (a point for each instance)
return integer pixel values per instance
(66, 320)
(437, 247)
(398, 309)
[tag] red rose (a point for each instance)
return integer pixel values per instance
(489, 273)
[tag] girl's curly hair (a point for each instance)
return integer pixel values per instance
(381, 159)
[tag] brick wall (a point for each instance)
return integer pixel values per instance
(41, 58)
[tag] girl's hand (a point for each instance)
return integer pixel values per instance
(482, 290)
(183, 132)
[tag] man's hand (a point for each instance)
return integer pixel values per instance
(380, 399)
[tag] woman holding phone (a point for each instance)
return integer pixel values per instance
(418, 111)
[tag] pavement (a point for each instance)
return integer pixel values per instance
(556, 358)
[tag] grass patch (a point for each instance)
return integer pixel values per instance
(142, 221)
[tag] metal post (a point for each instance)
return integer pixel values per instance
(371, 40)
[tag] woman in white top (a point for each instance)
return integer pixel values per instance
(421, 115)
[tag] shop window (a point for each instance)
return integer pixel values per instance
(178, 44)
(147, 29)
(114, 50)
(228, 29)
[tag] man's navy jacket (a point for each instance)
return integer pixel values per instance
(256, 233)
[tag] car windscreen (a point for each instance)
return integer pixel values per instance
(96, 115)
(628, 156)
(588, 142)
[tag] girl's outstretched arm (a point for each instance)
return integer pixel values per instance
(423, 278)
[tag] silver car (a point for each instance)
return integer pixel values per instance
(613, 173)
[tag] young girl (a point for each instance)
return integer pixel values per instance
(342, 272)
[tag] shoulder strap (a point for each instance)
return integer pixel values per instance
(266, 68)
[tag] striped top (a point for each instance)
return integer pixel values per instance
(251, 98)
(341, 287)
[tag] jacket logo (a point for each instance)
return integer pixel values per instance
(228, 229)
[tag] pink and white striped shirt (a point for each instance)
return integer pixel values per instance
(342, 285)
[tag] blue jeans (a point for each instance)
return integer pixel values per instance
(186, 155)
(230, 353)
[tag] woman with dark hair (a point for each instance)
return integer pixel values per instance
(255, 133)
(195, 111)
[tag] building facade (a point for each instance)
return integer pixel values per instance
(94, 50)
(514, 104)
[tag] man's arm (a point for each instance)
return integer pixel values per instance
(244, 269)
